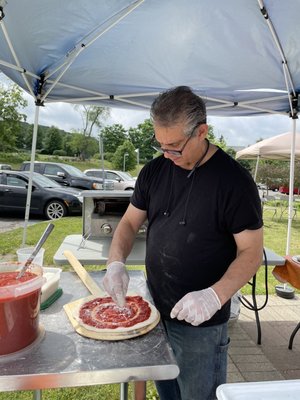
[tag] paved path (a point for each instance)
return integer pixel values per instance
(272, 360)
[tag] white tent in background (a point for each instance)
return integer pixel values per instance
(282, 147)
(274, 148)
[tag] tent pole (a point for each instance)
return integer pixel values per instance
(291, 188)
(256, 167)
(29, 189)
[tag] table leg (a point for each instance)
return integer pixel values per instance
(37, 394)
(140, 390)
(253, 306)
(255, 309)
(293, 335)
(124, 391)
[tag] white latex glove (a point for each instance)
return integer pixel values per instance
(115, 282)
(197, 307)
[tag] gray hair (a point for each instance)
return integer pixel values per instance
(176, 105)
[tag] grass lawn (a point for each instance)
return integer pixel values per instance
(274, 238)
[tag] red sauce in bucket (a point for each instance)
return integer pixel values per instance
(19, 316)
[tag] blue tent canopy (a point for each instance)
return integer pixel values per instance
(241, 56)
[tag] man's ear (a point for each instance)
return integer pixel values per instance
(203, 130)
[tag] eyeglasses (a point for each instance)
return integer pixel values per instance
(177, 153)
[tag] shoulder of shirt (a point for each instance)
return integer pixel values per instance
(232, 168)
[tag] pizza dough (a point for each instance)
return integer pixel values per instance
(101, 314)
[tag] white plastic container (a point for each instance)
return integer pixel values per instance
(19, 306)
(52, 276)
(24, 253)
(268, 390)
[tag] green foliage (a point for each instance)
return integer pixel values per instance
(15, 159)
(125, 156)
(141, 138)
(59, 153)
(277, 172)
(11, 100)
(82, 146)
(113, 137)
(53, 141)
(212, 138)
(92, 117)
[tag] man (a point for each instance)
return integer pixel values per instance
(204, 241)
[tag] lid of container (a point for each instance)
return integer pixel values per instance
(20, 288)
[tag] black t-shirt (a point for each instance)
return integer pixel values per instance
(191, 222)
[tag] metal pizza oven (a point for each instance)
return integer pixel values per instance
(102, 211)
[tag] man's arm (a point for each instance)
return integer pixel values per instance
(244, 267)
(116, 279)
(125, 234)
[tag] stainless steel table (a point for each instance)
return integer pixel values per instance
(63, 358)
(95, 252)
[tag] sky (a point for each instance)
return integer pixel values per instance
(237, 131)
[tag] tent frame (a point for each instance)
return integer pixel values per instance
(40, 96)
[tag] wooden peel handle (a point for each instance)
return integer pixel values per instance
(83, 275)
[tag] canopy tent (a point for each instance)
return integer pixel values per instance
(276, 147)
(241, 56)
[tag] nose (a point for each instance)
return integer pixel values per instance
(170, 156)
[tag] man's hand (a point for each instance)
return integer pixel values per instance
(197, 307)
(115, 282)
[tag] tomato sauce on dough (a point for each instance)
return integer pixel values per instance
(104, 313)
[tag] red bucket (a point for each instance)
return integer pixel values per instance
(19, 306)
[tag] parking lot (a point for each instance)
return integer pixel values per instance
(10, 222)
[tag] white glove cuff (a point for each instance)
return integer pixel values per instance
(115, 263)
(214, 297)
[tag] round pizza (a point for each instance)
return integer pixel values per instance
(102, 314)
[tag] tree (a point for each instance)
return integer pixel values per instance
(113, 137)
(92, 117)
(11, 100)
(141, 139)
(25, 134)
(53, 140)
(78, 142)
(120, 155)
(277, 173)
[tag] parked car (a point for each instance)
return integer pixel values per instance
(286, 190)
(274, 187)
(122, 180)
(67, 175)
(5, 166)
(48, 198)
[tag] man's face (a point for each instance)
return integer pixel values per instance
(180, 146)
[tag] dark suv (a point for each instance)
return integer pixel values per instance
(67, 175)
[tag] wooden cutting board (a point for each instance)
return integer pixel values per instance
(71, 308)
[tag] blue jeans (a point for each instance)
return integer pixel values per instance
(201, 354)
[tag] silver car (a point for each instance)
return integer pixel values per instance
(122, 180)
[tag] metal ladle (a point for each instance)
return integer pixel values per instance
(37, 248)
